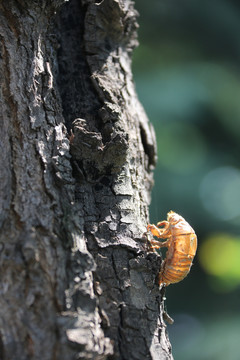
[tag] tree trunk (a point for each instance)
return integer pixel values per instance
(77, 153)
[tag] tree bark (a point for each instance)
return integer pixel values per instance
(77, 153)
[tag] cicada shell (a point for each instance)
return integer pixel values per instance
(181, 243)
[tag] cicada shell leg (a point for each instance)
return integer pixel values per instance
(158, 231)
(156, 244)
(161, 233)
(154, 230)
(164, 224)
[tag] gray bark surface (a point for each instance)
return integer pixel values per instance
(77, 154)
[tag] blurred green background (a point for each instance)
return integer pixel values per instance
(187, 75)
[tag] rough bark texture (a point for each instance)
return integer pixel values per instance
(77, 153)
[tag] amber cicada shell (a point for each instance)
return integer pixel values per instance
(181, 243)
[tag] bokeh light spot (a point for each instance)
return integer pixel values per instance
(219, 256)
(219, 192)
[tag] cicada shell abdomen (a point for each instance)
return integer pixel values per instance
(178, 263)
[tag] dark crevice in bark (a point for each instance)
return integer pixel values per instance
(149, 147)
(79, 98)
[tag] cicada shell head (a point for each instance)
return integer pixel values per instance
(173, 217)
